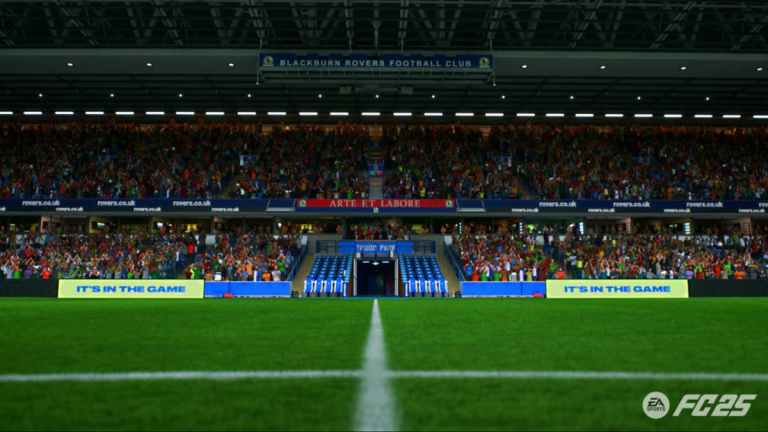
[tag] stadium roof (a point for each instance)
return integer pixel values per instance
(581, 56)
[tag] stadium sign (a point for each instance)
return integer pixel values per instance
(368, 62)
(131, 289)
(379, 247)
(618, 288)
(376, 203)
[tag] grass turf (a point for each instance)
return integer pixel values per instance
(702, 335)
(486, 404)
(716, 335)
(692, 335)
(41, 335)
(263, 404)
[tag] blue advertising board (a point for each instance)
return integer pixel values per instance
(503, 289)
(214, 289)
(146, 206)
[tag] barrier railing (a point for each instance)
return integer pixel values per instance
(292, 274)
(453, 258)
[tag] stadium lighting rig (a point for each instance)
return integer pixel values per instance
(396, 114)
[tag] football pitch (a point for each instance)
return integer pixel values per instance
(329, 364)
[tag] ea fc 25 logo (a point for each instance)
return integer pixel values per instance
(656, 405)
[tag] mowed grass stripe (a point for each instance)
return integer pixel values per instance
(258, 404)
(574, 405)
(699, 335)
(54, 336)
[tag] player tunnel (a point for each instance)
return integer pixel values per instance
(375, 277)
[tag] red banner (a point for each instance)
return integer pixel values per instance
(375, 203)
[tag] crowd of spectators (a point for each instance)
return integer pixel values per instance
(379, 230)
(578, 162)
(148, 254)
(448, 162)
(242, 160)
(180, 160)
(117, 161)
(305, 162)
(496, 253)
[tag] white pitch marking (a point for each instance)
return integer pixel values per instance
(178, 375)
(589, 375)
(376, 404)
(293, 374)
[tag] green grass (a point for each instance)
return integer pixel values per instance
(432, 404)
(534, 334)
(702, 335)
(41, 335)
(318, 404)
(694, 335)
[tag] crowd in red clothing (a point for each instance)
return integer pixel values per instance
(494, 252)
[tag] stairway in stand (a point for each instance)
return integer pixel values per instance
(376, 187)
(375, 159)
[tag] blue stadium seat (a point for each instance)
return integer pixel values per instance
(329, 276)
(421, 276)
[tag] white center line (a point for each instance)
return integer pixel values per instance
(376, 403)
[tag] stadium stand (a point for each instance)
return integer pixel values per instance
(242, 161)
(329, 276)
(488, 255)
(142, 254)
(421, 276)
(572, 162)
(180, 161)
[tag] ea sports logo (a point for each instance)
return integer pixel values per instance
(656, 405)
